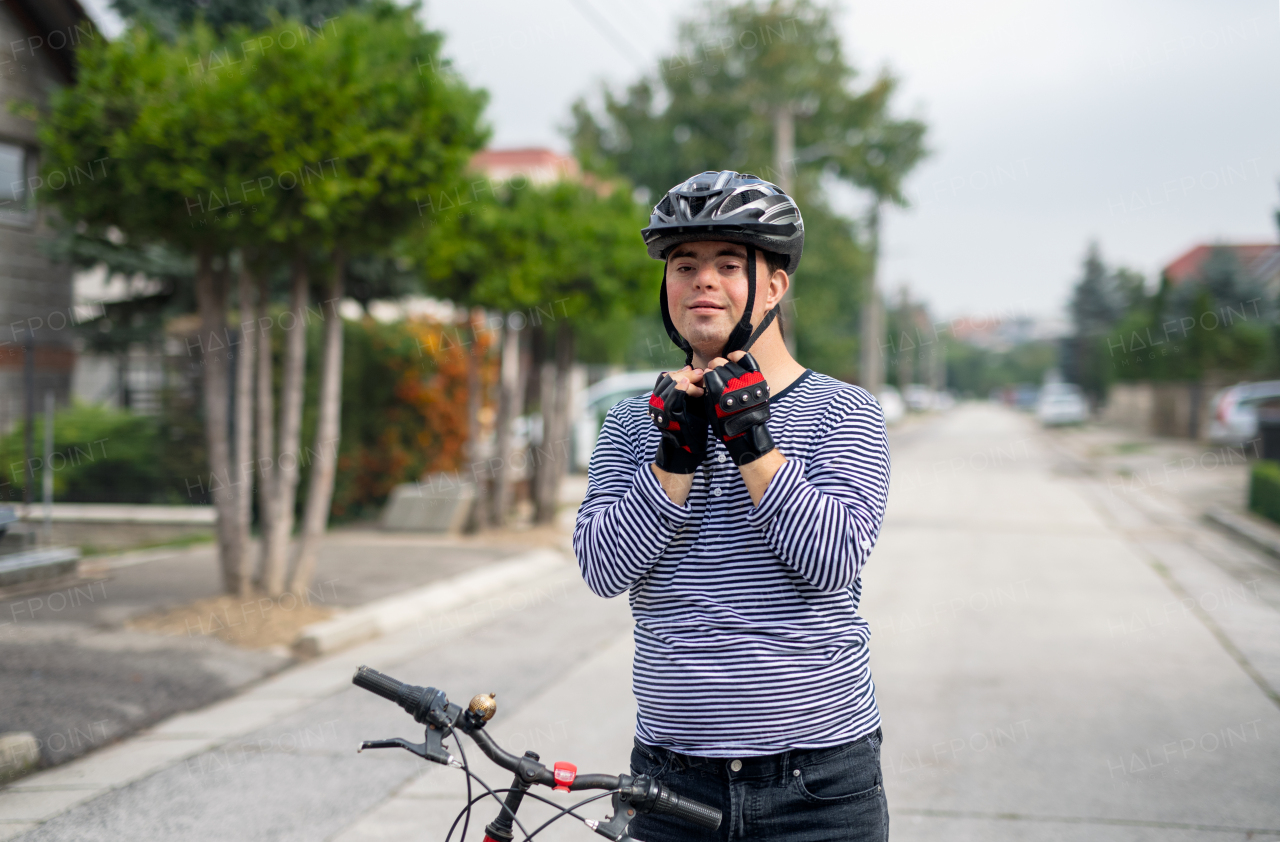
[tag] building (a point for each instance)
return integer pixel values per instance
(531, 166)
(38, 39)
(1261, 261)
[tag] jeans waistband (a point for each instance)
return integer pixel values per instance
(764, 766)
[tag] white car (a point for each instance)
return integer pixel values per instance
(891, 405)
(601, 398)
(1061, 403)
(1233, 411)
(919, 398)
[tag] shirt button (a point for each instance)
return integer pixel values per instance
(720, 457)
(735, 765)
(716, 492)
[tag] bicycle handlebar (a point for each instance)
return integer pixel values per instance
(430, 707)
(378, 683)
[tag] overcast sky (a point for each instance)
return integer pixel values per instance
(1148, 126)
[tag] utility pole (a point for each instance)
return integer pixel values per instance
(784, 164)
(29, 428)
(871, 363)
(906, 322)
(48, 467)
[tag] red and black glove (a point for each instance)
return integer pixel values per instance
(739, 397)
(684, 427)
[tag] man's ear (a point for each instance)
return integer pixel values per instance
(779, 283)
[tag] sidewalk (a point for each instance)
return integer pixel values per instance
(283, 752)
(79, 679)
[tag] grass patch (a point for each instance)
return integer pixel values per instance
(181, 542)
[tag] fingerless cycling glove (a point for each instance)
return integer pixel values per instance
(683, 424)
(738, 399)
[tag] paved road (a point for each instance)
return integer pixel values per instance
(1054, 662)
(78, 680)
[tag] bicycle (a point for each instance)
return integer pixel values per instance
(430, 707)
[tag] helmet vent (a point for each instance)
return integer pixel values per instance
(664, 207)
(696, 204)
(737, 200)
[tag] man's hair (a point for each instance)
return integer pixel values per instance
(774, 261)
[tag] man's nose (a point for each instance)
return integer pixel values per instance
(707, 277)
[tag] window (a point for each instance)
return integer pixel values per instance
(13, 179)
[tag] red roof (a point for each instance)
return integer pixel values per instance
(1254, 257)
(536, 164)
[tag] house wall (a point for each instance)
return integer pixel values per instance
(34, 291)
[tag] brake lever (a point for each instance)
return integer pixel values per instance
(432, 749)
(615, 827)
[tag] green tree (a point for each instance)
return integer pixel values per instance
(568, 256)
(766, 87)
(163, 141)
(171, 17)
(318, 149)
(1101, 303)
(365, 132)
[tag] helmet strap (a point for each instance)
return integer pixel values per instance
(743, 337)
(680, 341)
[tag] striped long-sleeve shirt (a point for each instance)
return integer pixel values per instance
(748, 639)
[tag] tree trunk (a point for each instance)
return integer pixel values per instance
(508, 408)
(871, 367)
(328, 429)
(211, 298)
(550, 456)
(266, 432)
(479, 517)
(276, 543)
(242, 467)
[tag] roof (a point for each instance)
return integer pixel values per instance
(60, 24)
(1261, 260)
(535, 164)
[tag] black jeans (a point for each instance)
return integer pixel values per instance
(806, 795)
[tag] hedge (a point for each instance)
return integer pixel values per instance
(1264, 489)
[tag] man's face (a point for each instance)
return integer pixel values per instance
(707, 291)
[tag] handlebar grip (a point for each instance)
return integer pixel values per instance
(375, 682)
(687, 809)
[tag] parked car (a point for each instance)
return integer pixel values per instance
(918, 397)
(1233, 417)
(1023, 396)
(601, 398)
(891, 404)
(1061, 403)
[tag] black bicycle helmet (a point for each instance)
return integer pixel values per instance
(737, 208)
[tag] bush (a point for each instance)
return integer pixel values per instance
(1264, 489)
(103, 455)
(404, 404)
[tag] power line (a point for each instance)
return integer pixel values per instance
(605, 28)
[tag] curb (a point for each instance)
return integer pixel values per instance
(392, 614)
(1258, 535)
(29, 802)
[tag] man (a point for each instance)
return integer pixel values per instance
(738, 505)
